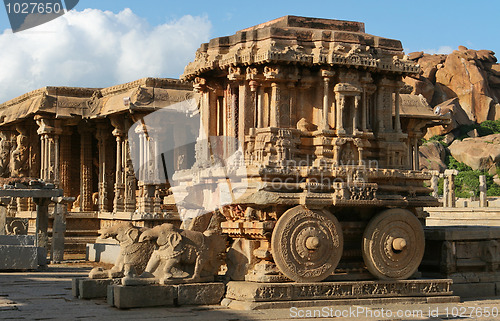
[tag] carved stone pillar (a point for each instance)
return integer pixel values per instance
(19, 163)
(357, 100)
(360, 155)
(5, 151)
(118, 202)
(324, 120)
(130, 181)
(86, 203)
(326, 74)
(336, 149)
(102, 136)
(364, 112)
(449, 176)
(49, 132)
(340, 99)
(274, 117)
(292, 92)
(368, 89)
(410, 151)
(157, 200)
(380, 106)
(483, 200)
(434, 185)
(34, 160)
(65, 160)
(146, 170)
(416, 164)
(260, 109)
(445, 191)
(397, 121)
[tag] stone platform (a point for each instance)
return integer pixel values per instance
(469, 255)
(463, 216)
(18, 252)
(141, 296)
(86, 288)
(252, 296)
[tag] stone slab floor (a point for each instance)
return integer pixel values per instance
(46, 295)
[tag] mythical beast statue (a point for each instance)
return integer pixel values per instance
(134, 254)
(183, 256)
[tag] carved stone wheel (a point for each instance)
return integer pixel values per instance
(393, 244)
(307, 245)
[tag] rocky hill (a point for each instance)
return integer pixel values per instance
(465, 83)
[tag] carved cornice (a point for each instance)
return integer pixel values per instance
(286, 41)
(167, 83)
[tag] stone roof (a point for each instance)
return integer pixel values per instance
(302, 41)
(415, 106)
(65, 102)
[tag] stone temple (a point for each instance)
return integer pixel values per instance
(317, 106)
(76, 138)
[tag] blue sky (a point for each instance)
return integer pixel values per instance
(419, 25)
(432, 26)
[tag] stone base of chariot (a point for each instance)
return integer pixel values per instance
(141, 296)
(256, 296)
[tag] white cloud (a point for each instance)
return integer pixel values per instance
(445, 50)
(94, 48)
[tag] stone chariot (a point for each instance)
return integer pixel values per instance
(332, 180)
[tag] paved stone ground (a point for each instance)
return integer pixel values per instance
(46, 295)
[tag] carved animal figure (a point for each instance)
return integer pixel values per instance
(134, 254)
(181, 253)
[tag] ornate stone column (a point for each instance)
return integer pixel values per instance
(449, 176)
(445, 191)
(380, 107)
(326, 74)
(102, 135)
(65, 159)
(146, 168)
(274, 75)
(410, 150)
(86, 191)
(274, 116)
(119, 188)
(416, 163)
(49, 132)
(368, 89)
(434, 184)
(357, 100)
(324, 120)
(340, 100)
(130, 180)
(19, 163)
(483, 200)
(5, 151)
(397, 121)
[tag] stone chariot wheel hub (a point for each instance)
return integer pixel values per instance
(307, 245)
(393, 244)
